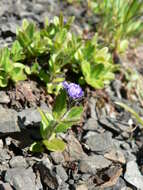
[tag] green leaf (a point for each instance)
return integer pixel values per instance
(44, 76)
(23, 39)
(30, 30)
(17, 74)
(98, 84)
(27, 70)
(54, 145)
(3, 79)
(36, 147)
(63, 126)
(60, 106)
(97, 70)
(47, 124)
(35, 69)
(71, 118)
(122, 46)
(85, 66)
(127, 108)
(45, 118)
(17, 52)
(47, 130)
(25, 24)
(74, 114)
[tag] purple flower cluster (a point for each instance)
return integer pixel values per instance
(74, 90)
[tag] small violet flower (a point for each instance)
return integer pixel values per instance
(65, 85)
(74, 90)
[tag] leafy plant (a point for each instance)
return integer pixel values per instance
(31, 41)
(52, 48)
(96, 63)
(119, 21)
(10, 70)
(60, 120)
(49, 52)
(62, 49)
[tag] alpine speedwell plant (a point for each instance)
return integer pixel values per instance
(55, 49)
(119, 20)
(50, 52)
(50, 49)
(60, 120)
(96, 63)
(10, 69)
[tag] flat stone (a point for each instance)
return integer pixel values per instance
(82, 187)
(18, 161)
(57, 157)
(100, 143)
(92, 104)
(61, 173)
(4, 155)
(91, 125)
(30, 116)
(4, 98)
(133, 175)
(116, 156)
(5, 186)
(21, 178)
(120, 184)
(93, 163)
(8, 121)
(64, 186)
(73, 150)
(8, 29)
(48, 176)
(1, 144)
(38, 8)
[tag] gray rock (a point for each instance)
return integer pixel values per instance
(38, 183)
(73, 151)
(91, 124)
(117, 85)
(21, 178)
(4, 156)
(61, 173)
(120, 184)
(30, 116)
(116, 156)
(92, 104)
(129, 156)
(48, 176)
(57, 157)
(85, 177)
(18, 161)
(8, 29)
(8, 121)
(111, 124)
(46, 162)
(1, 144)
(82, 187)
(4, 98)
(133, 175)
(100, 143)
(64, 186)
(5, 186)
(38, 8)
(93, 163)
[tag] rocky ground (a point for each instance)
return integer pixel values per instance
(104, 152)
